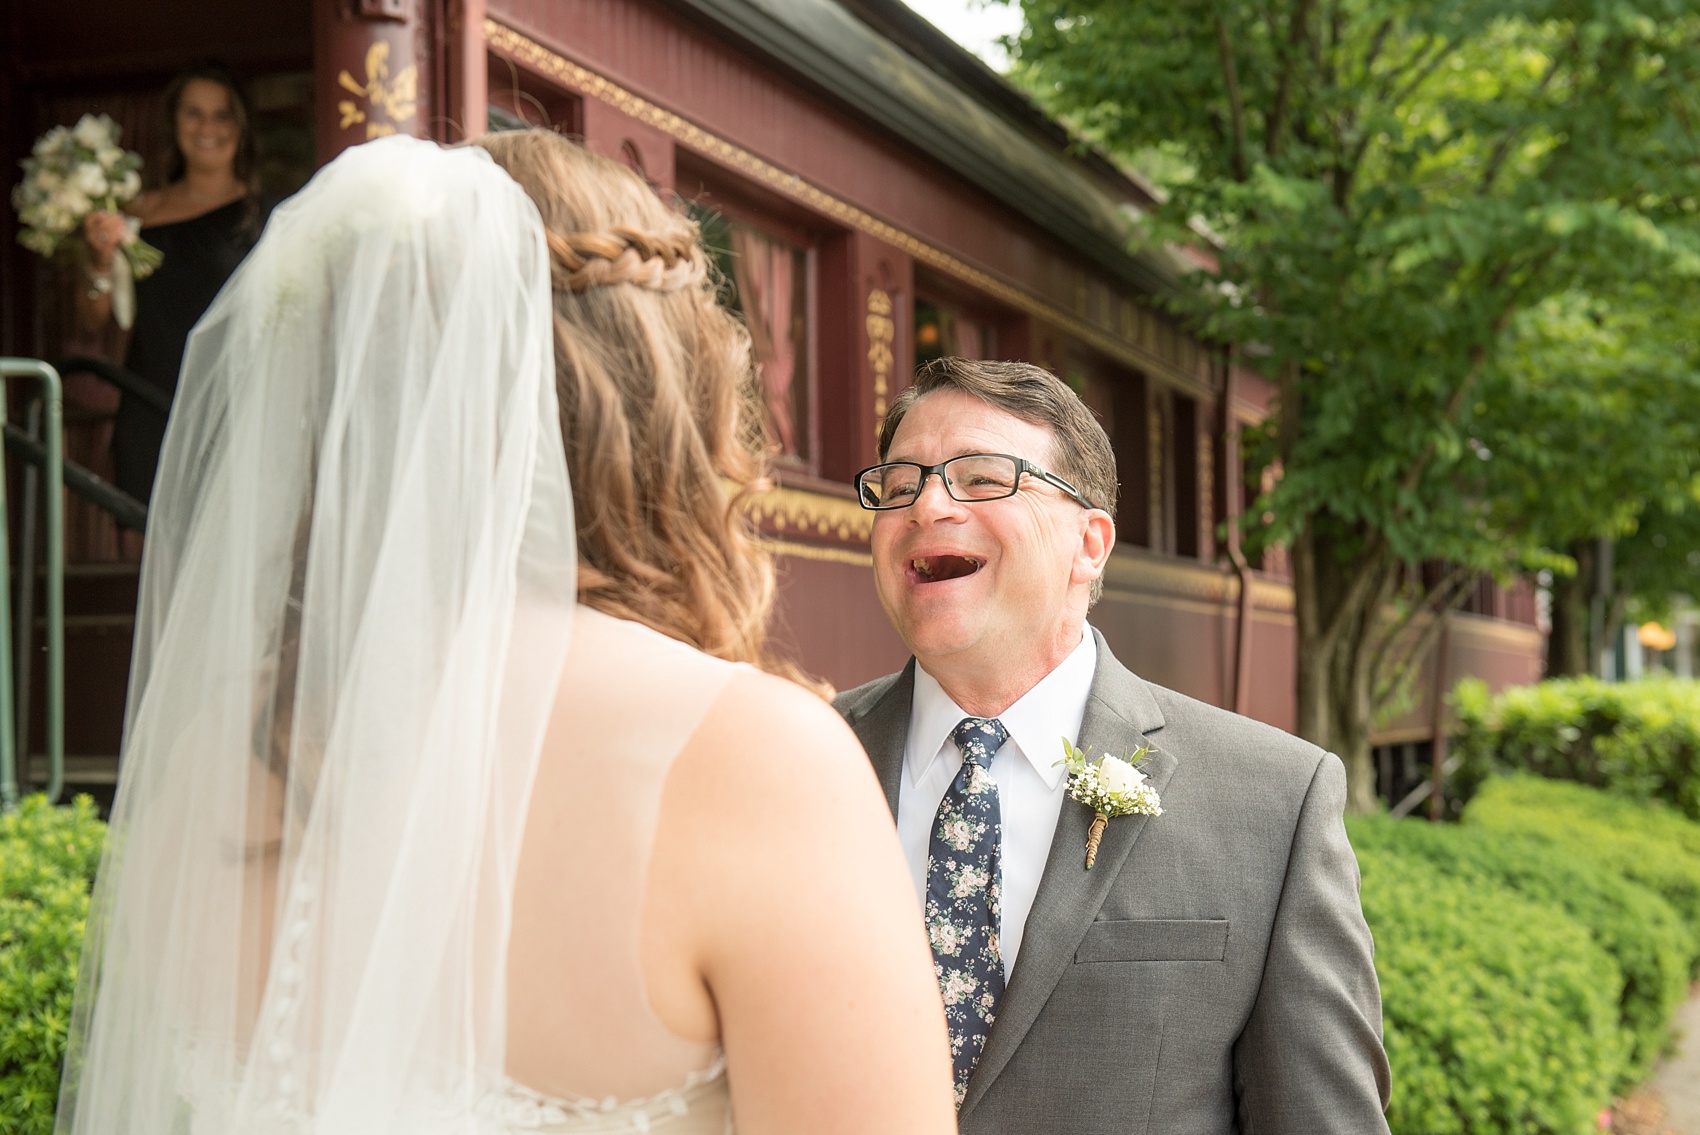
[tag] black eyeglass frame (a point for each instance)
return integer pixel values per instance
(1022, 465)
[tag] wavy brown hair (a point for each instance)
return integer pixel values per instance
(656, 387)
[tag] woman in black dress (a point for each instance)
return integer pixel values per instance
(204, 216)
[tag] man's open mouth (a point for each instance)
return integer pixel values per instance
(935, 569)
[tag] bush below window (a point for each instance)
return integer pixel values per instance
(1639, 739)
(48, 856)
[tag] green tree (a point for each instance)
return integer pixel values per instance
(1596, 408)
(1393, 187)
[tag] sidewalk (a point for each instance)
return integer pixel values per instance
(1670, 1102)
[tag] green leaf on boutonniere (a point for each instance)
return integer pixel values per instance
(1111, 787)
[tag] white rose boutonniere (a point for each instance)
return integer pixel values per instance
(1111, 787)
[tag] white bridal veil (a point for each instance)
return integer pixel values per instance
(355, 601)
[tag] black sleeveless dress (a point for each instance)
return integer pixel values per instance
(200, 254)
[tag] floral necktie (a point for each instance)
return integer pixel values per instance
(964, 884)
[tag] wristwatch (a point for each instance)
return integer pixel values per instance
(100, 283)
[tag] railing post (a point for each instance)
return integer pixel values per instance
(23, 651)
(53, 401)
(8, 738)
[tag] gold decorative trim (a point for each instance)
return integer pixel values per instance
(1405, 734)
(1194, 580)
(1502, 633)
(882, 333)
(812, 514)
(814, 552)
(533, 54)
(395, 99)
(1223, 610)
(1142, 572)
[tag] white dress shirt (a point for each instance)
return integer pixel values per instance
(1030, 783)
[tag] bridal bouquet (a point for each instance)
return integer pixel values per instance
(70, 173)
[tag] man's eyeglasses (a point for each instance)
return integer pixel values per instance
(971, 478)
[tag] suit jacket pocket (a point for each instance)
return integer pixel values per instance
(1155, 940)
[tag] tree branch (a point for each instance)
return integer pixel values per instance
(1377, 42)
(1230, 76)
(1363, 672)
(1367, 581)
(1478, 361)
(1392, 94)
(1502, 151)
(1441, 598)
(1284, 83)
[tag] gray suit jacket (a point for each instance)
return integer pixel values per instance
(1213, 972)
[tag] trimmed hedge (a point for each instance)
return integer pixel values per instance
(1525, 977)
(1500, 1012)
(48, 858)
(1649, 941)
(1639, 739)
(1644, 842)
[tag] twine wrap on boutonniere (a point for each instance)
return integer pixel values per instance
(1111, 787)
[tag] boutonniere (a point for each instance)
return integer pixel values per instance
(1111, 787)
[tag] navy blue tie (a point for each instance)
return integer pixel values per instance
(964, 884)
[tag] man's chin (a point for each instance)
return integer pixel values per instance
(940, 635)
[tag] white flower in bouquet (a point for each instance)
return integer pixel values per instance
(68, 207)
(52, 142)
(91, 132)
(90, 177)
(72, 172)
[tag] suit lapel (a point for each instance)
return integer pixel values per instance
(1120, 712)
(884, 731)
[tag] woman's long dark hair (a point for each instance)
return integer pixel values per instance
(169, 164)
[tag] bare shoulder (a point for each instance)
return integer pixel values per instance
(769, 728)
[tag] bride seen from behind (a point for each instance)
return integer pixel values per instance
(774, 917)
(455, 795)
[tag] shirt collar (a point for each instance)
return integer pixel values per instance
(1037, 722)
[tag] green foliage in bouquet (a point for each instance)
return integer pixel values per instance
(1638, 739)
(1500, 1011)
(1650, 942)
(48, 857)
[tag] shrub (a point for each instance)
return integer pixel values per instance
(48, 856)
(1639, 739)
(1650, 942)
(1500, 1012)
(1646, 843)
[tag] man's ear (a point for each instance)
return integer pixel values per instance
(1097, 540)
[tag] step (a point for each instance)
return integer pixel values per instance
(100, 601)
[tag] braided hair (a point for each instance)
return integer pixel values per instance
(624, 255)
(657, 393)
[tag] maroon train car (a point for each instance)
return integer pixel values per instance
(876, 196)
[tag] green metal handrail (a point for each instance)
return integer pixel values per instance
(52, 396)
